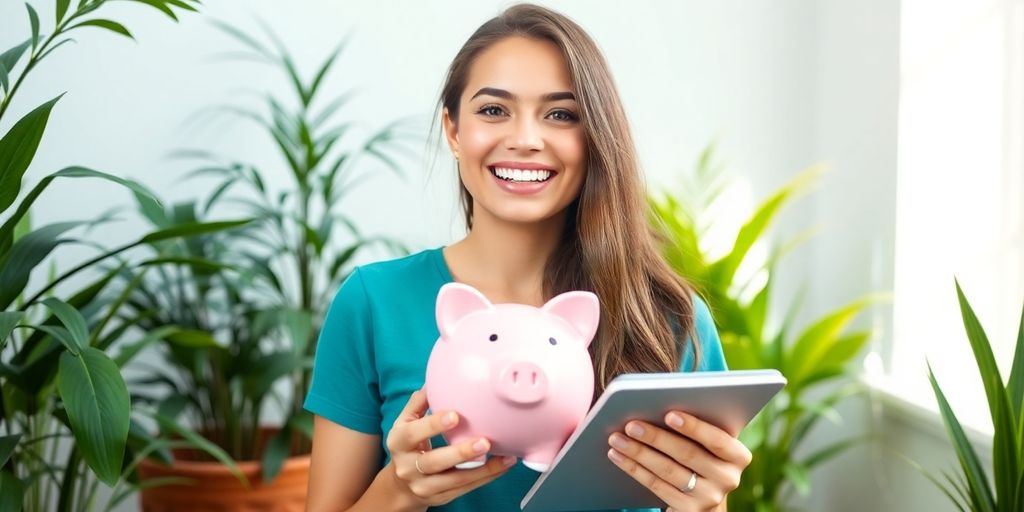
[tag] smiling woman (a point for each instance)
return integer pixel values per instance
(553, 200)
(517, 118)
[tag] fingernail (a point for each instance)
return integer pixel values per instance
(634, 430)
(448, 419)
(618, 441)
(480, 446)
(615, 456)
(675, 420)
(508, 460)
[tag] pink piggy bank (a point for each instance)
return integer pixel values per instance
(517, 375)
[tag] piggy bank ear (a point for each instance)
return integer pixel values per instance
(580, 309)
(454, 302)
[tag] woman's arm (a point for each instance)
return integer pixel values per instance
(343, 473)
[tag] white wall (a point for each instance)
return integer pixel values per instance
(731, 70)
(780, 85)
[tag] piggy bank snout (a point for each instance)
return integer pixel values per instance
(522, 383)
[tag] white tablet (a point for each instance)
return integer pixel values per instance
(582, 478)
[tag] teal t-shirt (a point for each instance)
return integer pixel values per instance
(372, 355)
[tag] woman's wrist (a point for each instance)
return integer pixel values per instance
(387, 493)
(403, 500)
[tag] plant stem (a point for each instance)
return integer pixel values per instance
(75, 270)
(36, 52)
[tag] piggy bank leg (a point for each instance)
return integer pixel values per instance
(472, 464)
(540, 460)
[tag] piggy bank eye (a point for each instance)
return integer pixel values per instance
(494, 337)
(552, 341)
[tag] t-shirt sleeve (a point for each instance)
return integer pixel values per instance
(711, 358)
(345, 387)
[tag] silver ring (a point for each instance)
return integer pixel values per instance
(417, 464)
(690, 484)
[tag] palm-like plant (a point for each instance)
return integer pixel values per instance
(817, 356)
(971, 488)
(57, 380)
(251, 301)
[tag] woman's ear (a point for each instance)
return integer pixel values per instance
(451, 132)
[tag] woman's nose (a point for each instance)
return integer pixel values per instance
(525, 135)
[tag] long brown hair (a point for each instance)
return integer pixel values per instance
(607, 247)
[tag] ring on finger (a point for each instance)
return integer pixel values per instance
(691, 484)
(417, 463)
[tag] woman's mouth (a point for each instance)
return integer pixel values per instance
(521, 181)
(522, 175)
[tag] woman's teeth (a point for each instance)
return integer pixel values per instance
(520, 174)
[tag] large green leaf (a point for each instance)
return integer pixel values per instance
(7, 446)
(986, 361)
(8, 227)
(1015, 387)
(724, 270)
(1005, 447)
(96, 399)
(72, 320)
(191, 338)
(8, 319)
(9, 58)
(28, 252)
(12, 491)
(62, 9)
(110, 25)
(275, 453)
(60, 334)
(814, 343)
(192, 229)
(977, 480)
(33, 19)
(17, 148)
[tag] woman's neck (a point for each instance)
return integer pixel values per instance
(505, 260)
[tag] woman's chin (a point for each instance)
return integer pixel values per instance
(523, 215)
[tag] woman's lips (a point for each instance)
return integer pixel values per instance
(521, 187)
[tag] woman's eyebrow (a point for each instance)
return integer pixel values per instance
(502, 93)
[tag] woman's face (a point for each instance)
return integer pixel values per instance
(518, 137)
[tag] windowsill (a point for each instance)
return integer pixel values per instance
(923, 417)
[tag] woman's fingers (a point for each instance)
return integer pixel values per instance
(679, 449)
(698, 498)
(412, 431)
(717, 441)
(450, 484)
(441, 459)
(660, 462)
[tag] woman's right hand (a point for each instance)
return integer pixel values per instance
(427, 474)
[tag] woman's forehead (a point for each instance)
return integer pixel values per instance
(526, 68)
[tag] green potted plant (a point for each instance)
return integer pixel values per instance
(250, 302)
(970, 488)
(60, 387)
(816, 357)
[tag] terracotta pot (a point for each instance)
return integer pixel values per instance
(215, 489)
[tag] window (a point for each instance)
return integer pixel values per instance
(959, 195)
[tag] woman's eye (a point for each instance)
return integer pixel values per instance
(491, 111)
(563, 115)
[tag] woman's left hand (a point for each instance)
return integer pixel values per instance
(691, 466)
